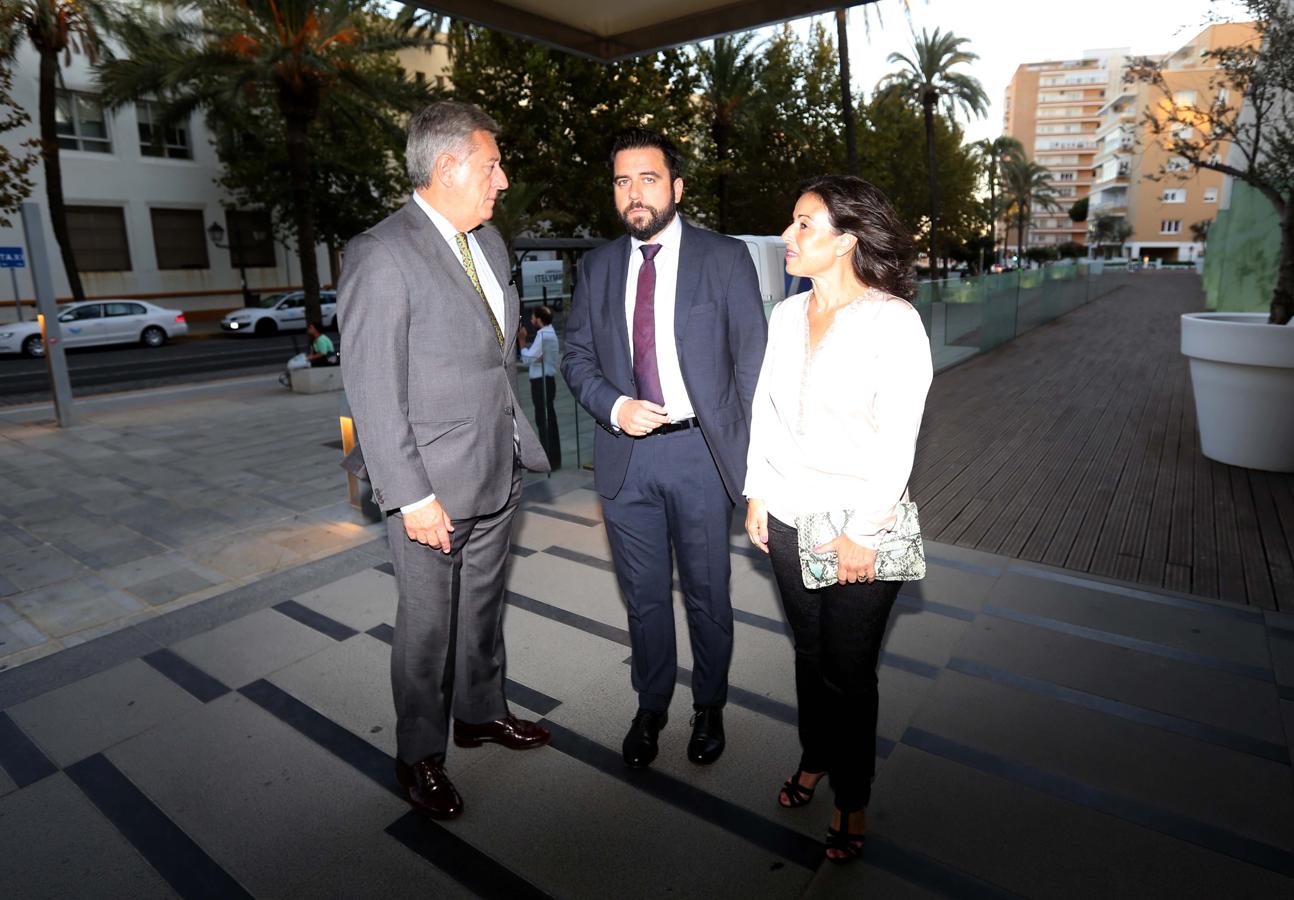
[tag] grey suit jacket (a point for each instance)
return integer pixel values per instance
(430, 390)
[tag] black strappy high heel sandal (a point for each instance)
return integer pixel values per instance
(842, 840)
(796, 794)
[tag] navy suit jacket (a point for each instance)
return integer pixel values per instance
(720, 332)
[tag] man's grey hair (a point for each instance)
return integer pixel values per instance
(443, 127)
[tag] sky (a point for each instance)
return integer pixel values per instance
(1006, 33)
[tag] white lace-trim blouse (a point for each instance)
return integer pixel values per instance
(837, 429)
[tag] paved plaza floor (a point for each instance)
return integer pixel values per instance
(195, 701)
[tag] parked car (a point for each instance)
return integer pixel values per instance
(95, 322)
(279, 312)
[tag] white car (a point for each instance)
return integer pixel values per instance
(96, 322)
(279, 312)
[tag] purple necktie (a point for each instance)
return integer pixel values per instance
(646, 372)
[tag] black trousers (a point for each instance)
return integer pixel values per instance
(543, 392)
(838, 632)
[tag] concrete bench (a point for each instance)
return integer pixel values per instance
(315, 380)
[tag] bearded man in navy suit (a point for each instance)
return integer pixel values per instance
(663, 348)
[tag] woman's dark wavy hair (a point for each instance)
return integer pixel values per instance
(884, 252)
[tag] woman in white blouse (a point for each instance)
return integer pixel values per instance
(834, 427)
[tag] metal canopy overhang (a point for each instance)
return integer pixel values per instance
(606, 31)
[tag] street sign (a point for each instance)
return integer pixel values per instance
(11, 258)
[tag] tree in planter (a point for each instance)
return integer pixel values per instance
(15, 186)
(928, 79)
(1106, 231)
(1253, 141)
(297, 55)
(55, 28)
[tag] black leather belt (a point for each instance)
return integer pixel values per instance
(672, 427)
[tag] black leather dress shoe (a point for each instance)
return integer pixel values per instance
(511, 732)
(429, 789)
(640, 743)
(707, 735)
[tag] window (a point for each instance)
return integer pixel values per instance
(124, 309)
(1184, 98)
(80, 123)
(1177, 164)
(81, 313)
(251, 238)
(98, 235)
(1170, 226)
(1174, 195)
(154, 140)
(1210, 195)
(1066, 176)
(180, 239)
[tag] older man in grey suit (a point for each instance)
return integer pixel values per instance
(428, 321)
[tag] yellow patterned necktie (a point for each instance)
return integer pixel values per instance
(470, 267)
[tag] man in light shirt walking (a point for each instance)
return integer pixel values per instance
(544, 355)
(663, 348)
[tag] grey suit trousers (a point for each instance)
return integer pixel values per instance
(447, 653)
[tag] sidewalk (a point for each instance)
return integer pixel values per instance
(1042, 736)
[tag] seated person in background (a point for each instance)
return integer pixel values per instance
(321, 352)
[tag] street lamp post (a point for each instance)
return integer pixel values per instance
(217, 235)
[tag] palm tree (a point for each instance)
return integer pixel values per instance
(728, 72)
(928, 80)
(994, 154)
(1028, 187)
(55, 28)
(222, 55)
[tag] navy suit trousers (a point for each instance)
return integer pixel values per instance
(673, 504)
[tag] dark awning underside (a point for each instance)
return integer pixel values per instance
(607, 30)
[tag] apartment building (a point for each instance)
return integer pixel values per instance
(1160, 210)
(1079, 119)
(1053, 108)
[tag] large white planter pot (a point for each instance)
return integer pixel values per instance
(1242, 369)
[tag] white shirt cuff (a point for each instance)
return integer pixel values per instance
(615, 412)
(413, 507)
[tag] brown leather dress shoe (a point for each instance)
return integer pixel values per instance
(429, 788)
(511, 732)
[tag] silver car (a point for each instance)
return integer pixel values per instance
(96, 322)
(279, 312)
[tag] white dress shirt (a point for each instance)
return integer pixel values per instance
(543, 353)
(837, 429)
(678, 405)
(484, 274)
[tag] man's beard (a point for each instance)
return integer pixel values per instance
(654, 225)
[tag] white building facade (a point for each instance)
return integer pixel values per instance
(139, 207)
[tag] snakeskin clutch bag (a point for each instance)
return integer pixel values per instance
(900, 557)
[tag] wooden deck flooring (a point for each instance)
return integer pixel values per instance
(1075, 446)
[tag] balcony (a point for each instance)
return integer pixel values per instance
(1108, 209)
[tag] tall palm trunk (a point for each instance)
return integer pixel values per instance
(992, 207)
(54, 169)
(846, 97)
(1021, 217)
(296, 126)
(720, 133)
(928, 107)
